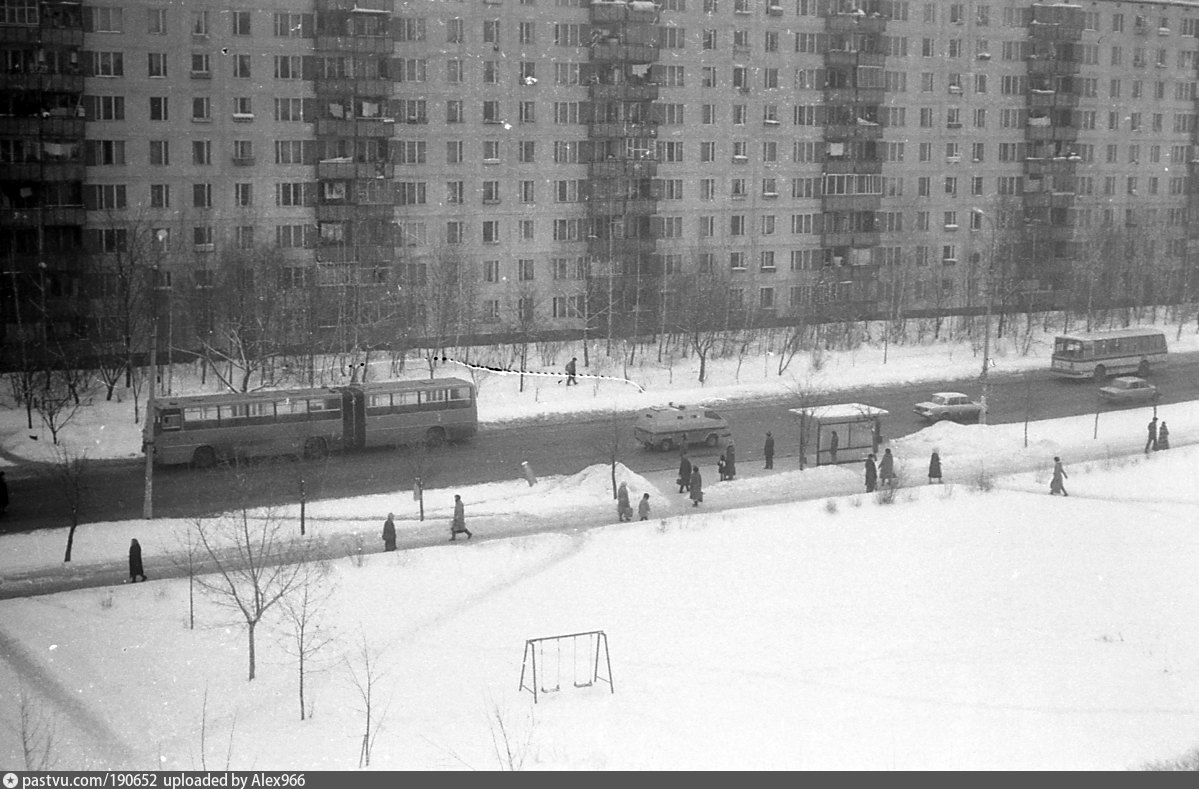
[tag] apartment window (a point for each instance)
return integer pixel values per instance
(491, 72)
(160, 195)
(201, 108)
(160, 152)
(202, 195)
(293, 25)
(491, 111)
(708, 77)
(491, 231)
(737, 225)
(241, 23)
(737, 261)
(156, 65)
(491, 191)
(288, 67)
(243, 195)
(243, 152)
(201, 65)
(455, 71)
(201, 152)
(107, 64)
(491, 151)
(526, 151)
(525, 270)
(200, 23)
(241, 66)
(104, 152)
(528, 192)
(156, 21)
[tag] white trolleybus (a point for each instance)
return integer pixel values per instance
(1098, 354)
(204, 429)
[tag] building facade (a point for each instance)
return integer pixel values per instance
(373, 167)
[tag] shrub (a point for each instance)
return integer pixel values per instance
(106, 600)
(1188, 762)
(885, 495)
(984, 482)
(830, 506)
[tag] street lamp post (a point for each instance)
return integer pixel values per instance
(984, 378)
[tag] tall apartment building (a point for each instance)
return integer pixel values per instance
(575, 164)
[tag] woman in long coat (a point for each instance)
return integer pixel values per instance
(934, 467)
(886, 468)
(697, 487)
(136, 572)
(624, 510)
(684, 472)
(730, 462)
(871, 474)
(389, 533)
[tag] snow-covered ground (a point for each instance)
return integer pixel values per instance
(790, 622)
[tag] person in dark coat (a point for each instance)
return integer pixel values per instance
(458, 525)
(136, 571)
(934, 467)
(833, 442)
(643, 507)
(624, 510)
(886, 468)
(389, 533)
(3, 495)
(1163, 442)
(570, 371)
(1058, 484)
(722, 467)
(697, 487)
(871, 474)
(1151, 442)
(684, 472)
(730, 461)
(768, 450)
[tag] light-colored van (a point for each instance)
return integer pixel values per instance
(678, 425)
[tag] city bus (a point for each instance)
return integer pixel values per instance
(203, 430)
(1098, 354)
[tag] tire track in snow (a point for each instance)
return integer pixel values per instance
(111, 749)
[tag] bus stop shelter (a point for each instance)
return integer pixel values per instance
(859, 429)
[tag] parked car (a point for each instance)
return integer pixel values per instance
(1128, 389)
(665, 428)
(949, 405)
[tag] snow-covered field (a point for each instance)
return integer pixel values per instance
(791, 622)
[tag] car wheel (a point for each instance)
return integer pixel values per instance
(1143, 368)
(666, 445)
(435, 436)
(204, 457)
(712, 440)
(315, 449)
(1100, 373)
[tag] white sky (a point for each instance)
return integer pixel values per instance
(790, 622)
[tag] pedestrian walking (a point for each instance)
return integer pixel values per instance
(1058, 483)
(136, 571)
(624, 510)
(571, 368)
(768, 450)
(643, 507)
(833, 442)
(458, 525)
(684, 479)
(934, 467)
(722, 467)
(1163, 442)
(730, 461)
(389, 533)
(886, 468)
(1151, 441)
(3, 495)
(871, 474)
(697, 487)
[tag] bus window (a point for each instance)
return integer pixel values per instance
(459, 393)
(1068, 347)
(330, 404)
(172, 419)
(290, 407)
(379, 401)
(404, 401)
(433, 396)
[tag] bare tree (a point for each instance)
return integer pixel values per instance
(70, 472)
(366, 669)
(257, 565)
(37, 733)
(57, 400)
(188, 558)
(703, 314)
(303, 611)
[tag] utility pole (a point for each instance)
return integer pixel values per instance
(984, 377)
(148, 429)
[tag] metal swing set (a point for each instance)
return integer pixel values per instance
(585, 670)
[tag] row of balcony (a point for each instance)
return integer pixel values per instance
(44, 82)
(853, 23)
(363, 6)
(342, 170)
(53, 216)
(366, 45)
(621, 207)
(340, 88)
(54, 126)
(1042, 67)
(630, 169)
(839, 132)
(1049, 167)
(624, 53)
(846, 59)
(1052, 99)
(625, 91)
(844, 166)
(843, 96)
(1044, 133)
(341, 212)
(42, 36)
(44, 171)
(622, 130)
(857, 240)
(1048, 200)
(618, 11)
(358, 127)
(851, 202)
